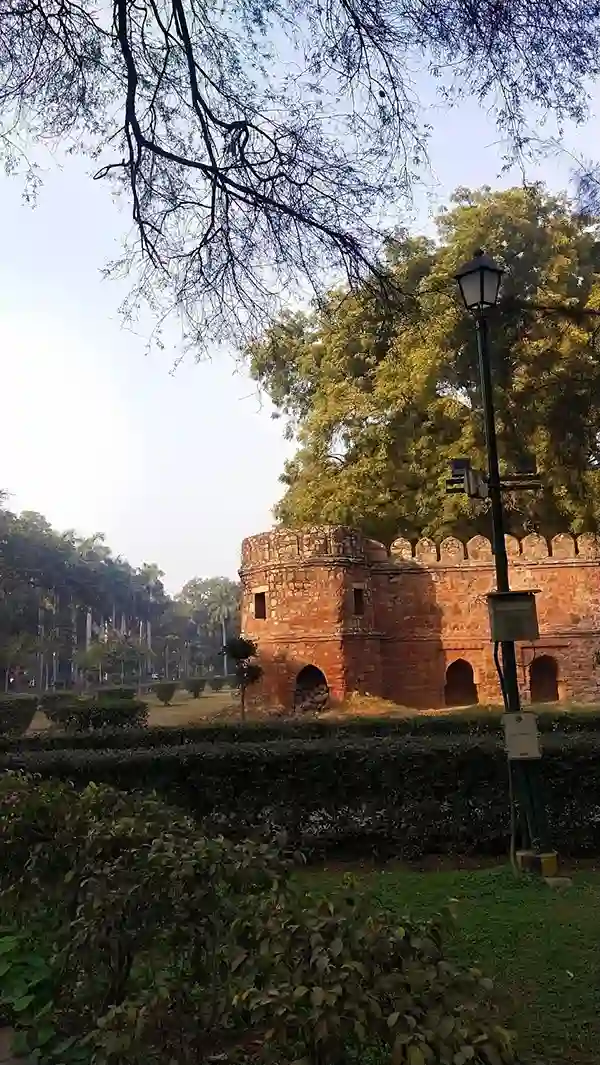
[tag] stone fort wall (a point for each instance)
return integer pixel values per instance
(408, 624)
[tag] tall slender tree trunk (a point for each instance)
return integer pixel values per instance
(88, 630)
(224, 632)
(40, 676)
(55, 638)
(74, 644)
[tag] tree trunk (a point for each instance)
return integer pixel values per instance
(40, 677)
(224, 631)
(74, 645)
(243, 700)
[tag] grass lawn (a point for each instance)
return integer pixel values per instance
(184, 710)
(542, 946)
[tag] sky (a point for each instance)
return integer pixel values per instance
(173, 467)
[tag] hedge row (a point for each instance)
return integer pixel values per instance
(107, 708)
(474, 724)
(388, 796)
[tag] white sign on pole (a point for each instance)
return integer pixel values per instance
(521, 736)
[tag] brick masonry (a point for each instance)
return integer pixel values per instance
(391, 623)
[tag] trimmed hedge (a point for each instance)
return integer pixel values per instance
(470, 724)
(165, 690)
(195, 686)
(115, 692)
(16, 713)
(395, 796)
(104, 712)
(84, 713)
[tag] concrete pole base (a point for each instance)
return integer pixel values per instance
(544, 865)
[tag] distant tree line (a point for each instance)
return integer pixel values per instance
(74, 614)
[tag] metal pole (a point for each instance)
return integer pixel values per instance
(532, 818)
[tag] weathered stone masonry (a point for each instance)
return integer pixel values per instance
(411, 625)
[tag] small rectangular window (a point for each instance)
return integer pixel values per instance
(359, 602)
(260, 605)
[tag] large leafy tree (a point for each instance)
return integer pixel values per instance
(382, 398)
(212, 604)
(256, 140)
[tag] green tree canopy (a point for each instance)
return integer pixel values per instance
(69, 607)
(380, 400)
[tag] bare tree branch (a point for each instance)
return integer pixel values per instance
(260, 140)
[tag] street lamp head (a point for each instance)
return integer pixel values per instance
(479, 282)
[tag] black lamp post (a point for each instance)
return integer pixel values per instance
(479, 281)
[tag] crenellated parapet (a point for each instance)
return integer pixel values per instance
(293, 546)
(532, 548)
(329, 543)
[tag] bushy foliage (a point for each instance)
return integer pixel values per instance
(247, 670)
(171, 946)
(99, 711)
(400, 386)
(164, 691)
(195, 686)
(105, 713)
(59, 705)
(218, 683)
(16, 713)
(116, 692)
(484, 722)
(398, 797)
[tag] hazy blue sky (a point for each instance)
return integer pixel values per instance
(97, 436)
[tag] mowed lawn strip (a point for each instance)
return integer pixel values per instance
(541, 945)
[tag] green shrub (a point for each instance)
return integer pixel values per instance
(59, 706)
(115, 693)
(388, 796)
(26, 984)
(16, 713)
(107, 713)
(195, 686)
(164, 691)
(217, 683)
(174, 947)
(265, 731)
(88, 713)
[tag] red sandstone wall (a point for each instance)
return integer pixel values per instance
(453, 622)
(307, 577)
(424, 608)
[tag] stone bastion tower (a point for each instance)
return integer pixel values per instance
(328, 606)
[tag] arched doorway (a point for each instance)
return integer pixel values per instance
(311, 695)
(460, 688)
(543, 680)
